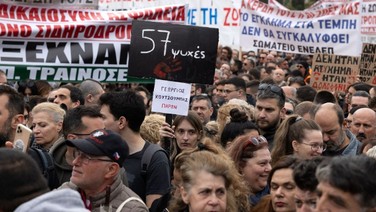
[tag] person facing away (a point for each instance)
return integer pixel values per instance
(24, 189)
(95, 174)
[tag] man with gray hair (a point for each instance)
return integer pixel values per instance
(91, 91)
(347, 184)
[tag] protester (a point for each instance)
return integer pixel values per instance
(24, 189)
(359, 98)
(239, 125)
(306, 184)
(91, 91)
(282, 187)
(186, 132)
(69, 96)
(252, 160)
(47, 125)
(269, 110)
(338, 139)
(206, 184)
(124, 112)
(235, 88)
(338, 192)
(96, 166)
(78, 123)
(298, 136)
(364, 127)
(202, 105)
(149, 129)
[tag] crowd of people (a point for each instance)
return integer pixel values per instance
(258, 139)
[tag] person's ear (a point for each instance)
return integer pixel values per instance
(112, 170)
(71, 136)
(184, 195)
(17, 119)
(122, 122)
(59, 126)
(295, 145)
(89, 98)
(282, 113)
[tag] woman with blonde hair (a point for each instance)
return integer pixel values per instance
(298, 136)
(47, 124)
(237, 188)
(195, 173)
(223, 115)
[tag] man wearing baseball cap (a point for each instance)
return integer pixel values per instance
(95, 175)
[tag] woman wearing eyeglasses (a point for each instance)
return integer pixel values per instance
(298, 136)
(252, 159)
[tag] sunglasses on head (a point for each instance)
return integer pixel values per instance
(274, 88)
(255, 141)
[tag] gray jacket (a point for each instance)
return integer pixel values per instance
(118, 194)
(56, 200)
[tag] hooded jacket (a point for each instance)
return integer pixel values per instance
(56, 200)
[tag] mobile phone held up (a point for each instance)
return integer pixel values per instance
(22, 138)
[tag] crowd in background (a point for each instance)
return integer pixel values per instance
(260, 138)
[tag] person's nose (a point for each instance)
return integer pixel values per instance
(279, 192)
(214, 200)
(268, 168)
(262, 113)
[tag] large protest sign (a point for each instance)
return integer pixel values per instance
(173, 52)
(368, 27)
(171, 97)
(334, 72)
(62, 4)
(367, 70)
(223, 14)
(324, 4)
(335, 30)
(71, 45)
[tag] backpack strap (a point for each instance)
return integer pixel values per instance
(46, 161)
(128, 200)
(151, 149)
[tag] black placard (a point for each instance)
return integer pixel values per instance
(173, 52)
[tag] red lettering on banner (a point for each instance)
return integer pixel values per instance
(232, 16)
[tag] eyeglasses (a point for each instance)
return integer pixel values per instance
(274, 88)
(300, 66)
(229, 91)
(316, 147)
(85, 159)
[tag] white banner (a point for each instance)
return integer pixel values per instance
(71, 45)
(335, 30)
